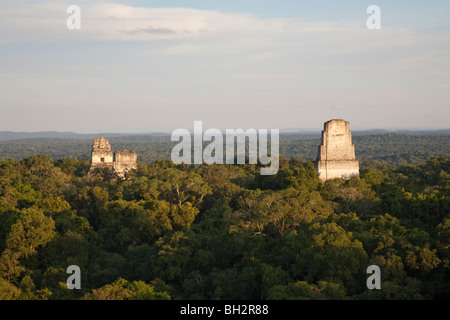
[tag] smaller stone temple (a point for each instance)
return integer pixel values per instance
(119, 162)
(336, 156)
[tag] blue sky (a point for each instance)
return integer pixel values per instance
(405, 13)
(142, 66)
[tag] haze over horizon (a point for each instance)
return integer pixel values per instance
(155, 66)
(11, 135)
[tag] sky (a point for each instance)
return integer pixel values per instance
(146, 66)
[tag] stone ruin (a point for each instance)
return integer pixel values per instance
(336, 156)
(119, 162)
(102, 156)
(124, 161)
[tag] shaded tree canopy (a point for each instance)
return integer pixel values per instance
(223, 231)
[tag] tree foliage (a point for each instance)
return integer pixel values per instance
(223, 231)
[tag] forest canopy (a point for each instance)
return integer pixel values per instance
(223, 231)
(371, 148)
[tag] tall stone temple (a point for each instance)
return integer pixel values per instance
(336, 156)
(119, 162)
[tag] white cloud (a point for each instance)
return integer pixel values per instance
(209, 32)
(191, 63)
(111, 21)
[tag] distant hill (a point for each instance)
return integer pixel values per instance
(402, 131)
(10, 135)
(372, 147)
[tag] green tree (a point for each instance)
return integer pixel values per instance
(302, 290)
(122, 289)
(273, 213)
(32, 230)
(334, 255)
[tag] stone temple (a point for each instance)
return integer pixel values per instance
(336, 156)
(119, 162)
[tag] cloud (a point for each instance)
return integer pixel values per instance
(152, 30)
(117, 22)
(292, 45)
(189, 63)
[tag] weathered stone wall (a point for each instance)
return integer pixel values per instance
(120, 162)
(336, 154)
(124, 161)
(101, 156)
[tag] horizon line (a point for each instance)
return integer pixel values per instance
(291, 130)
